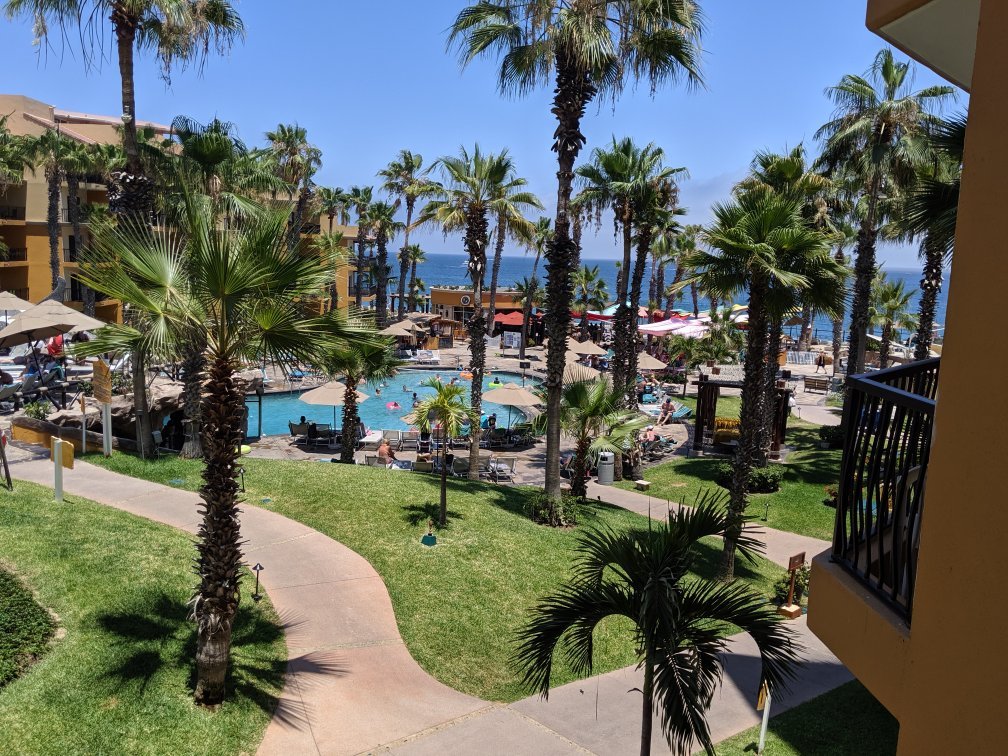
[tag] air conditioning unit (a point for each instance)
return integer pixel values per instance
(466, 300)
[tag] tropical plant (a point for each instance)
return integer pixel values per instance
(13, 160)
(333, 202)
(243, 288)
(179, 32)
(591, 413)
(582, 50)
(47, 151)
(538, 241)
(360, 197)
(680, 622)
(590, 293)
(371, 363)
(875, 135)
(528, 293)
(415, 255)
(755, 240)
(406, 180)
(450, 411)
(295, 161)
(891, 311)
(723, 341)
(333, 247)
(77, 162)
(382, 223)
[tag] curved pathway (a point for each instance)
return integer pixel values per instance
(351, 684)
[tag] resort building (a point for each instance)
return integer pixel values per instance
(456, 303)
(909, 598)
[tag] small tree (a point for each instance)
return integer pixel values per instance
(449, 410)
(371, 363)
(680, 621)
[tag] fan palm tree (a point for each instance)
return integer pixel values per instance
(528, 293)
(405, 179)
(753, 239)
(371, 363)
(449, 409)
(333, 202)
(465, 202)
(76, 160)
(509, 207)
(415, 255)
(361, 198)
(177, 31)
(537, 242)
(591, 414)
(382, 223)
(875, 135)
(296, 161)
(243, 287)
(582, 50)
(48, 151)
(890, 311)
(590, 293)
(680, 622)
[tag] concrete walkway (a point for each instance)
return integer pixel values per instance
(351, 683)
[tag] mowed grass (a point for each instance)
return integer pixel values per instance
(25, 628)
(118, 678)
(845, 721)
(797, 507)
(459, 604)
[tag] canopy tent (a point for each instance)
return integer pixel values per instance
(332, 393)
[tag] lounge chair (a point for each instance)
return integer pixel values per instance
(370, 442)
(681, 413)
(7, 394)
(424, 466)
(460, 467)
(410, 439)
(27, 391)
(373, 460)
(394, 439)
(298, 430)
(503, 468)
(424, 445)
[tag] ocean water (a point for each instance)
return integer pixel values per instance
(450, 270)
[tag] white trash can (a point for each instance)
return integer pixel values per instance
(606, 468)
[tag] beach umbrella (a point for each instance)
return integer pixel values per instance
(398, 330)
(587, 347)
(331, 393)
(43, 321)
(512, 395)
(10, 303)
(574, 372)
(646, 362)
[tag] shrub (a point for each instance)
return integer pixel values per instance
(37, 410)
(546, 511)
(832, 435)
(761, 479)
(25, 628)
(122, 384)
(832, 494)
(783, 585)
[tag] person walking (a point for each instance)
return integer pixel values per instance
(820, 362)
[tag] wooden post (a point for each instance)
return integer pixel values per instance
(790, 609)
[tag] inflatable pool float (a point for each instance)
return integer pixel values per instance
(466, 375)
(393, 406)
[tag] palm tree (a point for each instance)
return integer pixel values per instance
(591, 414)
(361, 197)
(590, 293)
(371, 363)
(680, 621)
(47, 151)
(296, 161)
(472, 182)
(178, 31)
(509, 206)
(875, 136)
(753, 239)
(529, 294)
(448, 408)
(76, 161)
(331, 203)
(382, 223)
(406, 180)
(242, 287)
(890, 310)
(539, 241)
(415, 255)
(582, 50)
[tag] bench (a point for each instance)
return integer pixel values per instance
(815, 383)
(642, 485)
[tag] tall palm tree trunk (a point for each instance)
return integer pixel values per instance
(805, 339)
(838, 323)
(495, 271)
(73, 211)
(621, 322)
(696, 301)
(475, 243)
(381, 295)
(633, 337)
(412, 287)
(579, 476)
(647, 694)
(443, 505)
(572, 94)
(132, 193)
(145, 431)
(930, 285)
(404, 262)
(361, 241)
(193, 364)
(54, 177)
(864, 273)
(751, 417)
(673, 292)
(219, 537)
(774, 338)
(350, 419)
(297, 218)
(884, 342)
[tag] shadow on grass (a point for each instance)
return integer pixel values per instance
(416, 514)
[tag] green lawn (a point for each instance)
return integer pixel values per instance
(798, 506)
(458, 604)
(844, 721)
(25, 628)
(118, 679)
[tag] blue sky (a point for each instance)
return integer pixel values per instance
(368, 79)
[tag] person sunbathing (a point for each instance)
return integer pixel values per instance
(667, 410)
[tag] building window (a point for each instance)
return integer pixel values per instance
(70, 253)
(76, 290)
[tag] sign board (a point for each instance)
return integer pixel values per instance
(66, 452)
(761, 697)
(102, 382)
(796, 561)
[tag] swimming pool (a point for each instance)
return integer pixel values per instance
(278, 409)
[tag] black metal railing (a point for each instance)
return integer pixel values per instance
(15, 254)
(888, 418)
(11, 212)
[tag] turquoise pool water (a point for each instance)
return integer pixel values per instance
(278, 409)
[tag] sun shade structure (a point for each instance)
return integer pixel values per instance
(329, 394)
(512, 395)
(9, 303)
(44, 321)
(574, 372)
(399, 330)
(587, 348)
(646, 362)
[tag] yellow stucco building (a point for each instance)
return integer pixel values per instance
(911, 597)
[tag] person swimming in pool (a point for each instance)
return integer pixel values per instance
(394, 405)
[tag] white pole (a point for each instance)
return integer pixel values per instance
(763, 727)
(83, 428)
(57, 448)
(107, 429)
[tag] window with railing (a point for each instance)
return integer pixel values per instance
(70, 251)
(15, 254)
(888, 417)
(11, 212)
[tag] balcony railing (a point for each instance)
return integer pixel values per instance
(11, 212)
(15, 254)
(888, 418)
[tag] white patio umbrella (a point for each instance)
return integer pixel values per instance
(45, 320)
(331, 393)
(646, 362)
(512, 395)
